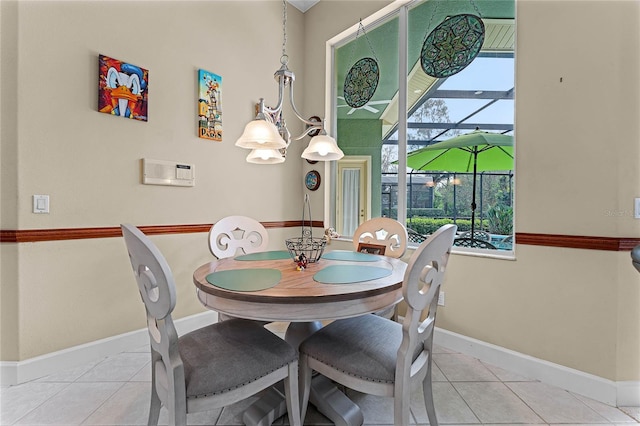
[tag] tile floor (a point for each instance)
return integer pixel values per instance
(115, 391)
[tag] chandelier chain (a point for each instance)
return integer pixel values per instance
(284, 58)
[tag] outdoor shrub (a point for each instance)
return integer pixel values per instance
(425, 212)
(500, 220)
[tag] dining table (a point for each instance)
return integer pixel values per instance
(269, 286)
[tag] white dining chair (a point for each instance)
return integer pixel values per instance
(375, 355)
(383, 231)
(234, 235)
(213, 366)
(386, 232)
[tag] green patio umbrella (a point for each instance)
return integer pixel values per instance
(474, 152)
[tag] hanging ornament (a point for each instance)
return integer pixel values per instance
(362, 79)
(452, 45)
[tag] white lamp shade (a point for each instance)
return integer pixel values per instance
(323, 148)
(261, 134)
(265, 156)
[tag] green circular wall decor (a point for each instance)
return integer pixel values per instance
(452, 45)
(361, 82)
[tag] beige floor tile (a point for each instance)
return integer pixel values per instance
(118, 368)
(18, 401)
(555, 405)
(72, 405)
(463, 368)
(506, 375)
(128, 406)
(632, 412)
(450, 407)
(612, 414)
(493, 402)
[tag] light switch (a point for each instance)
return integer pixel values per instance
(41, 204)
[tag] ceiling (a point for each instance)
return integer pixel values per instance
(302, 5)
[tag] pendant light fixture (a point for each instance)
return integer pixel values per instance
(267, 135)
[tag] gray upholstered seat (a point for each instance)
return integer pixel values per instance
(375, 355)
(211, 367)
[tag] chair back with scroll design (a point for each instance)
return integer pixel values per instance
(233, 233)
(210, 367)
(383, 231)
(374, 355)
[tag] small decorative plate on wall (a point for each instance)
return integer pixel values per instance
(312, 180)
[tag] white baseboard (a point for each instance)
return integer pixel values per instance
(619, 394)
(14, 372)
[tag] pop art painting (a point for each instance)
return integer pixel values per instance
(123, 89)
(209, 106)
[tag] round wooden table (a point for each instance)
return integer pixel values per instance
(298, 297)
(301, 300)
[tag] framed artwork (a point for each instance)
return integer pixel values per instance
(209, 106)
(371, 248)
(312, 180)
(123, 88)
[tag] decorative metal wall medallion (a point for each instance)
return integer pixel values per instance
(452, 45)
(361, 82)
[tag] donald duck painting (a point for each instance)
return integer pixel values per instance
(122, 89)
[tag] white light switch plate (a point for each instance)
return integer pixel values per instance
(636, 210)
(41, 204)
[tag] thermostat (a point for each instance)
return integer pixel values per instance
(160, 172)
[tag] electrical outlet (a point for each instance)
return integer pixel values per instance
(441, 298)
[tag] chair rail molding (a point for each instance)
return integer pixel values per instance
(537, 239)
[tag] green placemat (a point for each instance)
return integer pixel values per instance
(265, 255)
(245, 279)
(346, 274)
(352, 256)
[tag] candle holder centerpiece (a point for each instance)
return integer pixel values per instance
(306, 245)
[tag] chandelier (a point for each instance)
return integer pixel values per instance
(267, 135)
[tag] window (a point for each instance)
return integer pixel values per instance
(407, 114)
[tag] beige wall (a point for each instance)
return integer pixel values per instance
(59, 294)
(578, 152)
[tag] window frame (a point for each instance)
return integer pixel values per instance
(401, 9)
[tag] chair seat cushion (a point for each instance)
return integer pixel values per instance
(365, 347)
(225, 355)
